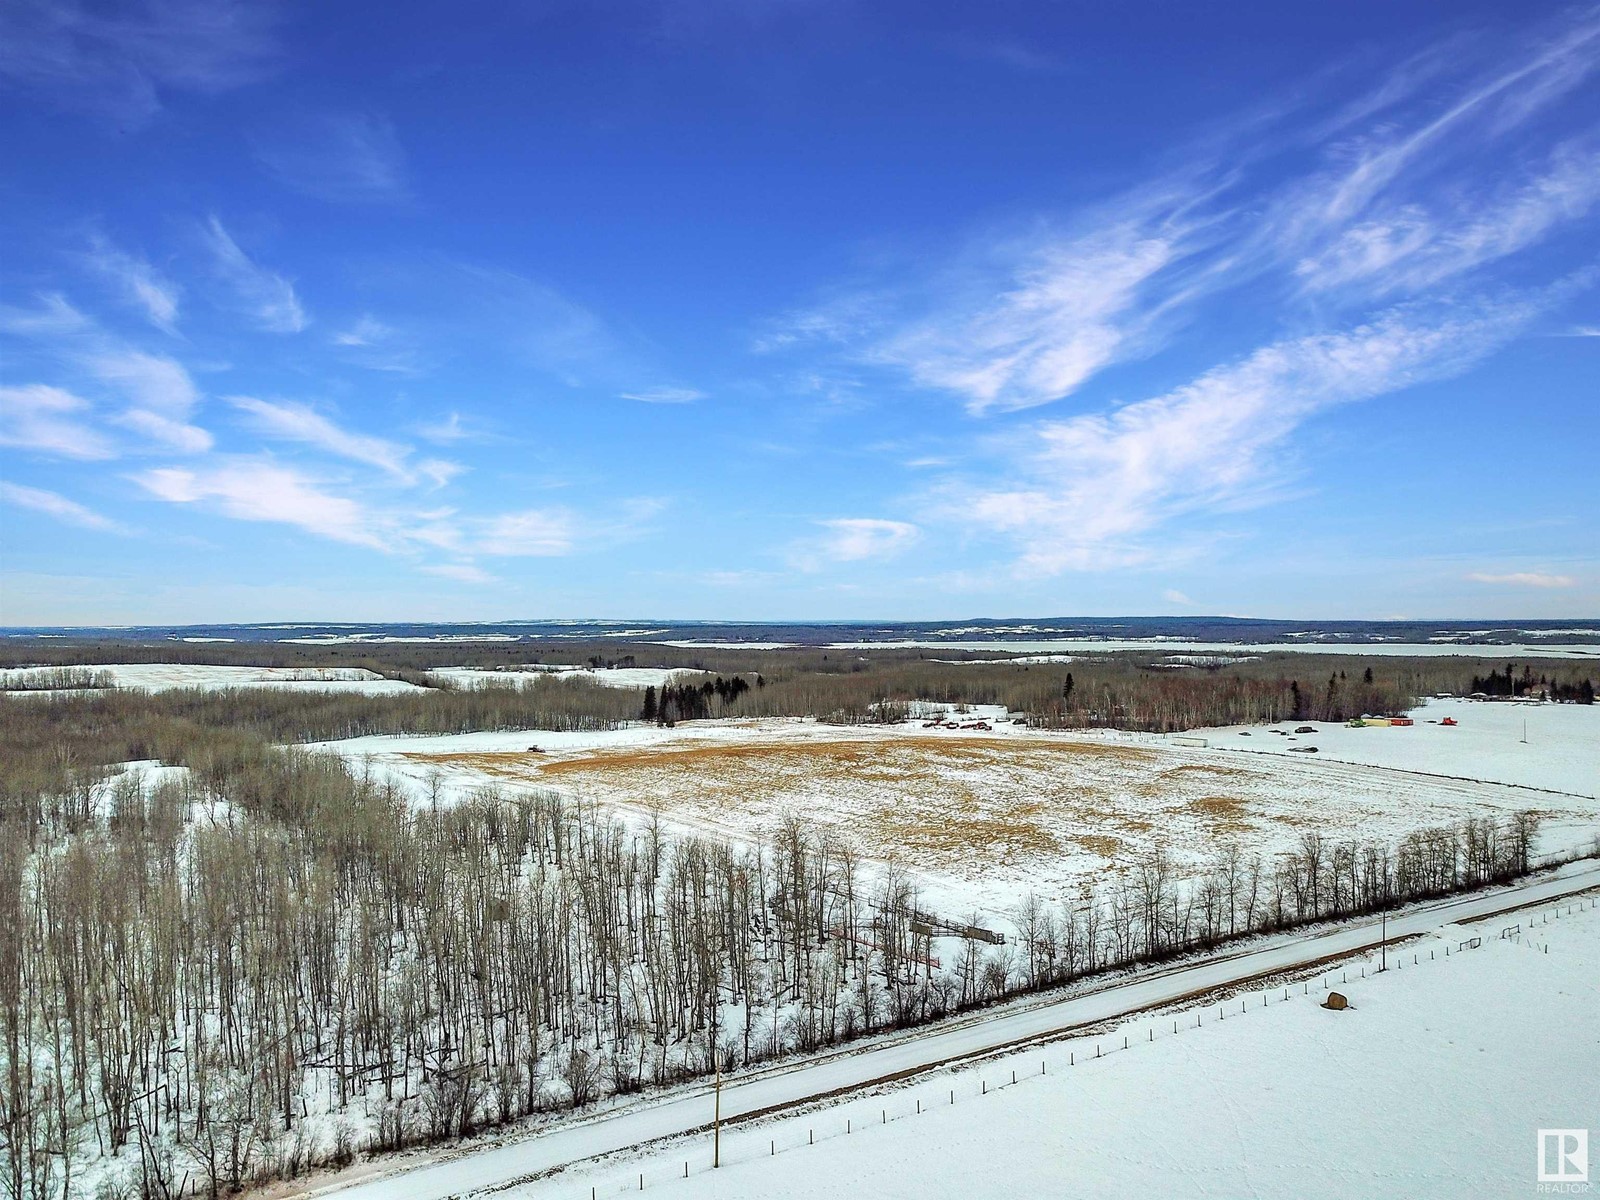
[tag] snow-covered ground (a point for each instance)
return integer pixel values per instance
(1128, 1026)
(1434, 1083)
(157, 677)
(980, 817)
(621, 677)
(1561, 753)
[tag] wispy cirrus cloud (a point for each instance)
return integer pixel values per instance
(366, 332)
(160, 394)
(163, 395)
(377, 346)
(1089, 491)
(50, 420)
(852, 539)
(138, 283)
(289, 421)
(301, 423)
(1388, 197)
(533, 533)
(257, 489)
(1413, 246)
(1533, 579)
(1070, 308)
(460, 572)
(265, 296)
(120, 61)
(53, 317)
(345, 158)
(665, 395)
(1372, 233)
(53, 504)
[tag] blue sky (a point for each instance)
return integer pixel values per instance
(791, 309)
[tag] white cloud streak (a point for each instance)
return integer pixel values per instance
(344, 158)
(163, 397)
(1533, 579)
(533, 533)
(1070, 309)
(287, 421)
(852, 539)
(1095, 486)
(48, 420)
(119, 60)
(267, 297)
(665, 395)
(139, 283)
(1394, 200)
(460, 572)
(299, 423)
(261, 490)
(58, 506)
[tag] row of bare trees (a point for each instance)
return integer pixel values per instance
(267, 961)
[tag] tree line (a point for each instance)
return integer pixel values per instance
(690, 702)
(1534, 687)
(271, 960)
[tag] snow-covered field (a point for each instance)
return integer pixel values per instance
(158, 677)
(1561, 753)
(621, 677)
(1434, 1083)
(980, 817)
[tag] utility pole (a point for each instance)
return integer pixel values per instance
(1385, 965)
(716, 1059)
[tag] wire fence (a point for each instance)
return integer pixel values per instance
(1019, 1068)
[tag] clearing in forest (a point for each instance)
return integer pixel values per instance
(991, 816)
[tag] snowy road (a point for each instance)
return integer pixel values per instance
(783, 1087)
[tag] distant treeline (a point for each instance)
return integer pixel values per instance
(1533, 687)
(49, 679)
(689, 702)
